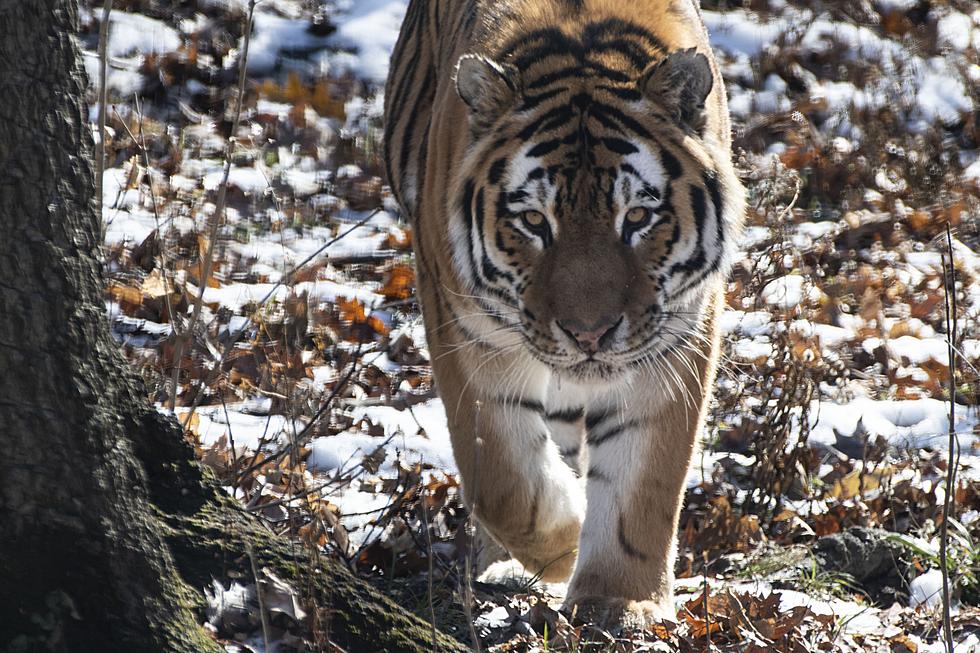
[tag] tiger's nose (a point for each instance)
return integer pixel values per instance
(590, 338)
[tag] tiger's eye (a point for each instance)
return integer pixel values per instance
(533, 219)
(639, 215)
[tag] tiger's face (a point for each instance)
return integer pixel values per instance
(590, 218)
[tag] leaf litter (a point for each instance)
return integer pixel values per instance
(811, 518)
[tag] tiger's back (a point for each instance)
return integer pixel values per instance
(567, 171)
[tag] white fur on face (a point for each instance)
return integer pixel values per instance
(629, 187)
(540, 193)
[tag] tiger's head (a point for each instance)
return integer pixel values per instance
(594, 205)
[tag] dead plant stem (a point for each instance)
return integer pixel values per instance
(428, 550)
(103, 101)
(949, 279)
(470, 525)
(207, 259)
(258, 593)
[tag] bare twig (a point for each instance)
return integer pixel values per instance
(707, 610)
(262, 302)
(468, 556)
(103, 95)
(231, 441)
(141, 145)
(207, 260)
(428, 547)
(316, 416)
(949, 283)
(258, 594)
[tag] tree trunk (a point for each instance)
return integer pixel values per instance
(109, 528)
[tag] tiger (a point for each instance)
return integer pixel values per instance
(566, 167)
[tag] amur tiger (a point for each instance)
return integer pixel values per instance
(566, 166)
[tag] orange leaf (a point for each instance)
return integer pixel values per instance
(351, 310)
(399, 282)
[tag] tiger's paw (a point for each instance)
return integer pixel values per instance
(509, 573)
(609, 613)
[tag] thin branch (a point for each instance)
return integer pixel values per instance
(103, 101)
(233, 337)
(428, 546)
(207, 262)
(467, 580)
(141, 145)
(949, 283)
(258, 594)
(316, 416)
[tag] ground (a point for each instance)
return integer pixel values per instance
(812, 517)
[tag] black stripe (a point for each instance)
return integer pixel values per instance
(423, 98)
(543, 148)
(560, 112)
(472, 338)
(620, 27)
(532, 521)
(711, 183)
(490, 271)
(527, 404)
(466, 205)
(622, 92)
(628, 548)
(593, 420)
(497, 169)
(532, 101)
(619, 146)
(568, 415)
(624, 120)
(597, 439)
(672, 165)
(714, 190)
(595, 475)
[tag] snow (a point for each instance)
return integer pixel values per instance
(830, 336)
(926, 589)
(416, 435)
(752, 350)
(121, 81)
(237, 295)
(135, 34)
(915, 350)
(249, 180)
(897, 5)
(274, 36)
(370, 28)
(927, 87)
(129, 227)
(751, 324)
(739, 33)
(972, 171)
(247, 430)
(941, 95)
(955, 30)
(789, 291)
(904, 424)
(366, 30)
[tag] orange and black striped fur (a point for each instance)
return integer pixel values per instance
(566, 166)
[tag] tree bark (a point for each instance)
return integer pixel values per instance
(108, 528)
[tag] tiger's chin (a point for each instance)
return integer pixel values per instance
(593, 370)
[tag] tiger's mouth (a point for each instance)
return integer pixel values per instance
(591, 369)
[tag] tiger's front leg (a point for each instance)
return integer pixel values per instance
(638, 457)
(514, 478)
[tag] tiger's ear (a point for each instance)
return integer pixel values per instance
(488, 88)
(680, 83)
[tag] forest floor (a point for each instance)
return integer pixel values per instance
(812, 517)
